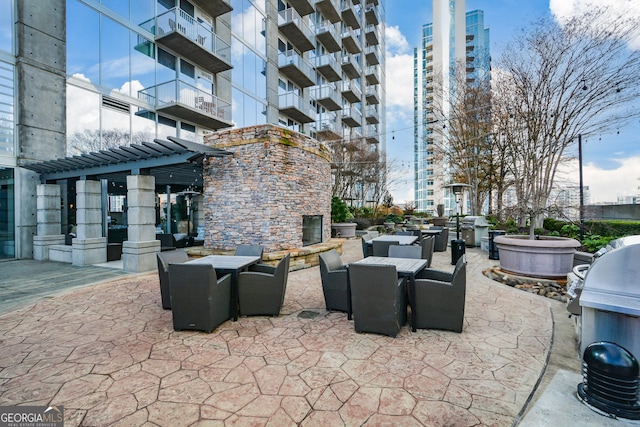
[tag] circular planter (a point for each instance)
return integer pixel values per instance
(547, 256)
(344, 229)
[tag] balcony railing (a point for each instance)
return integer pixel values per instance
(372, 95)
(372, 34)
(328, 35)
(373, 55)
(372, 74)
(350, 14)
(329, 9)
(351, 67)
(186, 101)
(351, 91)
(328, 66)
(292, 65)
(351, 117)
(372, 114)
(350, 40)
(293, 26)
(327, 96)
(204, 43)
(328, 127)
(296, 107)
(372, 16)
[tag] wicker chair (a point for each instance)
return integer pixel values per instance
(250, 250)
(378, 299)
(262, 292)
(427, 245)
(367, 249)
(441, 240)
(199, 300)
(381, 247)
(334, 277)
(405, 251)
(164, 259)
(440, 298)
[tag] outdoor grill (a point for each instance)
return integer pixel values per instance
(473, 229)
(610, 312)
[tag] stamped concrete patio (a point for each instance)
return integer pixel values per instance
(109, 354)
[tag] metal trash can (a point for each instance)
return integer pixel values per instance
(493, 247)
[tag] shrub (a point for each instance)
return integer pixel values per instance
(594, 242)
(553, 224)
(339, 210)
(570, 230)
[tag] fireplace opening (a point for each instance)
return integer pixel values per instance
(311, 229)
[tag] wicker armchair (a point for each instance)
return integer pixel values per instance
(427, 245)
(164, 259)
(405, 251)
(378, 299)
(381, 247)
(334, 277)
(262, 292)
(441, 240)
(440, 298)
(199, 300)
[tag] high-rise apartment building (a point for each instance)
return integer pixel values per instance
(84, 75)
(454, 38)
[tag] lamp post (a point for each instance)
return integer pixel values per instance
(581, 188)
(457, 245)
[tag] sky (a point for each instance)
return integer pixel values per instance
(611, 162)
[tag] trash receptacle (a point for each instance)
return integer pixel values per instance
(458, 249)
(493, 247)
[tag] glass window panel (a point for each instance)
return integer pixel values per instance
(142, 11)
(121, 7)
(143, 66)
(143, 126)
(166, 67)
(188, 132)
(116, 128)
(236, 100)
(166, 127)
(7, 219)
(83, 120)
(114, 67)
(83, 45)
(6, 110)
(6, 26)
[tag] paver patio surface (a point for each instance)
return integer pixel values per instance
(109, 354)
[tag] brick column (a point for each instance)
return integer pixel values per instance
(48, 216)
(139, 251)
(89, 247)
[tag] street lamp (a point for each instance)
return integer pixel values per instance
(457, 246)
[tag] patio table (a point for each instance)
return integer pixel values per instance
(406, 267)
(229, 264)
(401, 239)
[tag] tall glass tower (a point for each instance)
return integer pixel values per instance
(454, 37)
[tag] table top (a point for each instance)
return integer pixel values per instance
(428, 231)
(403, 240)
(226, 262)
(403, 265)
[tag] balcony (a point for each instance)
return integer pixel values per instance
(371, 15)
(373, 55)
(351, 117)
(293, 66)
(303, 7)
(350, 14)
(328, 97)
(328, 129)
(372, 95)
(294, 28)
(186, 102)
(372, 35)
(372, 74)
(351, 67)
(371, 134)
(327, 34)
(329, 9)
(296, 107)
(351, 91)
(213, 8)
(372, 115)
(350, 40)
(182, 34)
(328, 66)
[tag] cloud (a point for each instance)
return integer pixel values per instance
(607, 185)
(563, 10)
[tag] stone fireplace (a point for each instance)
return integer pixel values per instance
(260, 195)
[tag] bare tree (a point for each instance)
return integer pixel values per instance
(557, 82)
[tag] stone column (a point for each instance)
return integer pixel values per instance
(48, 216)
(139, 251)
(89, 247)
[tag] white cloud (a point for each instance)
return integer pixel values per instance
(565, 9)
(396, 42)
(607, 185)
(399, 83)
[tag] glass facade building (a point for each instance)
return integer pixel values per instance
(136, 70)
(453, 38)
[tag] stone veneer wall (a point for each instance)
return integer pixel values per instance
(260, 194)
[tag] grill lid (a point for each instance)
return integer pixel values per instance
(612, 283)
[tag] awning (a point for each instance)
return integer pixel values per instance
(175, 162)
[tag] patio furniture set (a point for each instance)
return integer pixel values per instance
(395, 274)
(204, 292)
